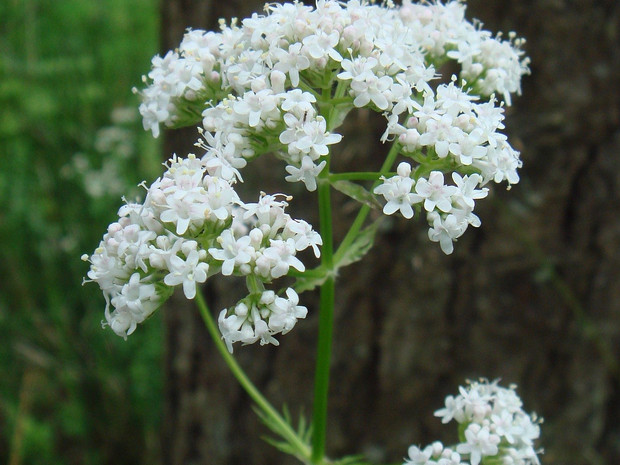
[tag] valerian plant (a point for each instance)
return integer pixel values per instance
(282, 83)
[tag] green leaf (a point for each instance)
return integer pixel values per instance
(304, 431)
(361, 245)
(356, 251)
(307, 283)
(356, 192)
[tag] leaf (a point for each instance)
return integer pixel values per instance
(360, 246)
(307, 283)
(284, 445)
(355, 252)
(356, 192)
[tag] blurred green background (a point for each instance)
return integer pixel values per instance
(71, 145)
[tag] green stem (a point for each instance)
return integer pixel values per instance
(263, 404)
(363, 213)
(326, 317)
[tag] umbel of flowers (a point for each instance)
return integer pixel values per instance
(193, 225)
(282, 83)
(493, 429)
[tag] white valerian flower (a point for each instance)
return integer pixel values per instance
(187, 272)
(307, 172)
(291, 61)
(467, 192)
(322, 44)
(479, 442)
(286, 312)
(435, 193)
(397, 192)
(281, 256)
(233, 252)
(303, 235)
(299, 103)
(135, 294)
(433, 454)
(445, 229)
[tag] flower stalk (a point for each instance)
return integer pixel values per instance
(326, 323)
(283, 427)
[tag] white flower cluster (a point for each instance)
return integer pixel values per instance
(192, 225)
(281, 82)
(492, 425)
(449, 208)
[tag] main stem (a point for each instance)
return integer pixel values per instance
(326, 317)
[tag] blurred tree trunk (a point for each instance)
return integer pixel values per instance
(533, 296)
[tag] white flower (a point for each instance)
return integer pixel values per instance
(435, 193)
(307, 172)
(234, 252)
(291, 61)
(123, 323)
(187, 272)
(308, 136)
(299, 103)
(281, 256)
(223, 155)
(135, 294)
(467, 192)
(184, 208)
(321, 44)
(480, 442)
(445, 230)
(304, 236)
(418, 456)
(257, 106)
(286, 312)
(397, 191)
(230, 327)
(452, 410)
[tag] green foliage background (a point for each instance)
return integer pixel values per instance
(70, 392)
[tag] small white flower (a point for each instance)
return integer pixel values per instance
(445, 230)
(480, 442)
(135, 294)
(397, 191)
(281, 255)
(291, 61)
(452, 410)
(435, 193)
(418, 456)
(307, 172)
(286, 312)
(187, 272)
(322, 44)
(234, 252)
(304, 236)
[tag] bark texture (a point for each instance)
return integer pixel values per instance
(533, 296)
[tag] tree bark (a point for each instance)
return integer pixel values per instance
(531, 297)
